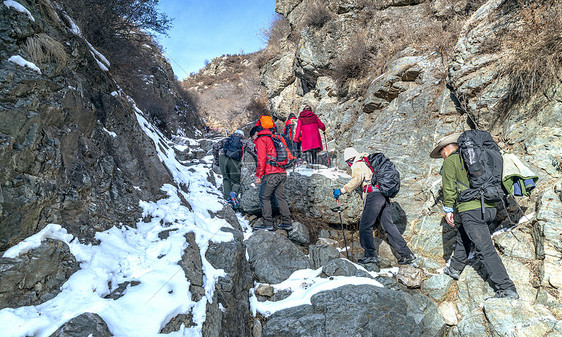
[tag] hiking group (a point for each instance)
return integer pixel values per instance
(471, 177)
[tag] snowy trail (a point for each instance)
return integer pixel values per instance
(134, 254)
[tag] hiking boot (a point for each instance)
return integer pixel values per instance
(452, 272)
(407, 259)
(263, 226)
(285, 226)
(510, 294)
(368, 259)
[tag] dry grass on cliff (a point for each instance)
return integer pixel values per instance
(534, 51)
(278, 30)
(42, 48)
(318, 15)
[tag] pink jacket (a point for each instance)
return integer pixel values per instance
(309, 124)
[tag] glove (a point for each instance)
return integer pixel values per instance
(337, 193)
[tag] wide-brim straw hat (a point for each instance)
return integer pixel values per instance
(449, 139)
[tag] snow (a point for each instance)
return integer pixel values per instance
(127, 254)
(157, 289)
(18, 7)
(75, 29)
(330, 173)
(24, 63)
(112, 134)
(51, 231)
(304, 284)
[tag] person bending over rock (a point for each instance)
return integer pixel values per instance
(376, 207)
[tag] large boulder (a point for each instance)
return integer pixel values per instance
(36, 276)
(87, 324)
(273, 257)
(359, 310)
(308, 194)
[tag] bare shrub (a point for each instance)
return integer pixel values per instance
(279, 28)
(318, 15)
(42, 48)
(534, 51)
(257, 107)
(352, 63)
(48, 10)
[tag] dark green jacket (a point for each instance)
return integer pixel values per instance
(453, 171)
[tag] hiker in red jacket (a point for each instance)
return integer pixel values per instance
(308, 129)
(289, 133)
(271, 180)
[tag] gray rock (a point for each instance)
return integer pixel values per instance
(519, 318)
(436, 286)
(232, 290)
(36, 276)
(273, 257)
(299, 234)
(358, 311)
(87, 324)
(320, 255)
(472, 288)
(339, 267)
(410, 276)
(309, 196)
(473, 324)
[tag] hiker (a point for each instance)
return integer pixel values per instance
(228, 154)
(266, 122)
(271, 179)
(308, 133)
(470, 220)
(375, 207)
(289, 133)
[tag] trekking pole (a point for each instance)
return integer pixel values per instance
(327, 152)
(342, 231)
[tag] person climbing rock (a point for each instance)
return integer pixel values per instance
(289, 133)
(271, 179)
(376, 207)
(467, 217)
(308, 133)
(228, 154)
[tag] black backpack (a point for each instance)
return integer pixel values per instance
(233, 147)
(284, 158)
(484, 164)
(385, 174)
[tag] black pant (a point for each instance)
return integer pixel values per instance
(274, 185)
(377, 207)
(311, 156)
(472, 229)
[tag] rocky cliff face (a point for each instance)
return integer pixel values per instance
(74, 151)
(427, 68)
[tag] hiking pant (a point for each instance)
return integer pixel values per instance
(474, 230)
(377, 207)
(311, 156)
(274, 185)
(297, 146)
(230, 170)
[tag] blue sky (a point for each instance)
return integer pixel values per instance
(205, 29)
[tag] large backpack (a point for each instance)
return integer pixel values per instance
(284, 158)
(385, 174)
(234, 148)
(484, 164)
